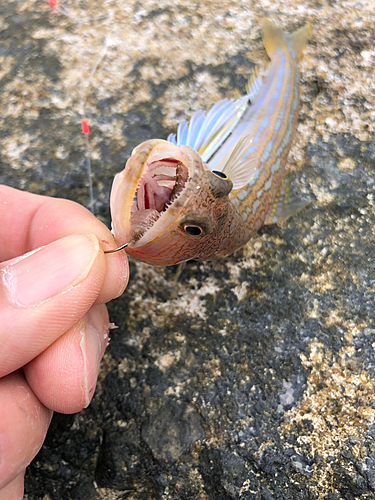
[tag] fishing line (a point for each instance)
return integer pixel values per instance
(84, 88)
(85, 125)
(63, 9)
(85, 131)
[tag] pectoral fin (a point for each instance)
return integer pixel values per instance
(287, 203)
(240, 167)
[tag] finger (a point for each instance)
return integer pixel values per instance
(44, 293)
(14, 489)
(23, 426)
(29, 221)
(63, 377)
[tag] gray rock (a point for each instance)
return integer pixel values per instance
(267, 356)
(171, 431)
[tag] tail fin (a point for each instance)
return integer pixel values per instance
(274, 38)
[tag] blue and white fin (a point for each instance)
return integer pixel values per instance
(287, 203)
(206, 134)
(239, 168)
(221, 157)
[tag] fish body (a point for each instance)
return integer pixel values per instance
(206, 191)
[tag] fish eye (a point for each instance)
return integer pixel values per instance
(196, 223)
(220, 183)
(193, 230)
(219, 174)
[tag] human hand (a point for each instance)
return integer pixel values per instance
(53, 321)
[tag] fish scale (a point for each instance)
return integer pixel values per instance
(274, 143)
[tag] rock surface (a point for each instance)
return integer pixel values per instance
(253, 377)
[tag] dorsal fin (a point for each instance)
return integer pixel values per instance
(206, 134)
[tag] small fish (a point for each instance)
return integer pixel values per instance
(203, 193)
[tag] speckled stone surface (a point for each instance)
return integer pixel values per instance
(253, 377)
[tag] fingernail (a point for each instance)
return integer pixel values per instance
(93, 343)
(50, 270)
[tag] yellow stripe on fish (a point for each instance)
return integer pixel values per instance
(204, 192)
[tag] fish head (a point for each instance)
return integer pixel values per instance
(168, 205)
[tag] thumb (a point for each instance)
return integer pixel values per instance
(44, 293)
(63, 377)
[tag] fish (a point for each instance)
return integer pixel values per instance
(205, 191)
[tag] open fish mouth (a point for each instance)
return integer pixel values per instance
(151, 182)
(161, 183)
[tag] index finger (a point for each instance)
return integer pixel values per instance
(29, 221)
